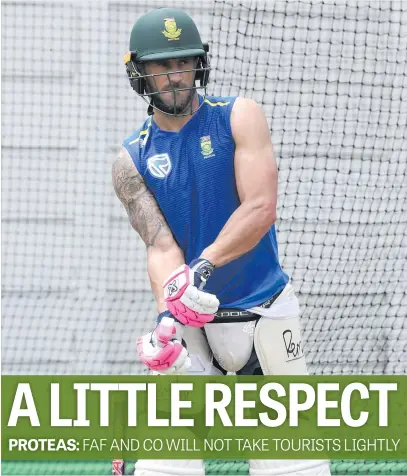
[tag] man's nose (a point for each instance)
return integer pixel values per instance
(175, 77)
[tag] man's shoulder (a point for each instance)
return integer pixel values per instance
(139, 137)
(219, 101)
(218, 109)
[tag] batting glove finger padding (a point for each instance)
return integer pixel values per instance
(160, 351)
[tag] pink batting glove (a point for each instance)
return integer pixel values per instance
(161, 351)
(184, 296)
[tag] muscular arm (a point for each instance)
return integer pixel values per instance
(256, 180)
(163, 253)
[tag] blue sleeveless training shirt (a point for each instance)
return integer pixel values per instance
(191, 174)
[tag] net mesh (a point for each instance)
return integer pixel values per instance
(331, 77)
(332, 80)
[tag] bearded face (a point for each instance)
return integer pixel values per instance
(171, 84)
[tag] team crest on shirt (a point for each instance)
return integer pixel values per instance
(172, 32)
(206, 147)
(159, 165)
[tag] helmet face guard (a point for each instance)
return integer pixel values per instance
(138, 81)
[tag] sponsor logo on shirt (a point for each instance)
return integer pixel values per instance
(159, 165)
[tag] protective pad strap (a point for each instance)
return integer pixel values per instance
(234, 315)
(227, 314)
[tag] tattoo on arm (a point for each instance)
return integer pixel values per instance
(143, 211)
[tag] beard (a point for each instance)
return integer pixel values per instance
(178, 105)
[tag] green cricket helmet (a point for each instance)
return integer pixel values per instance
(160, 34)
